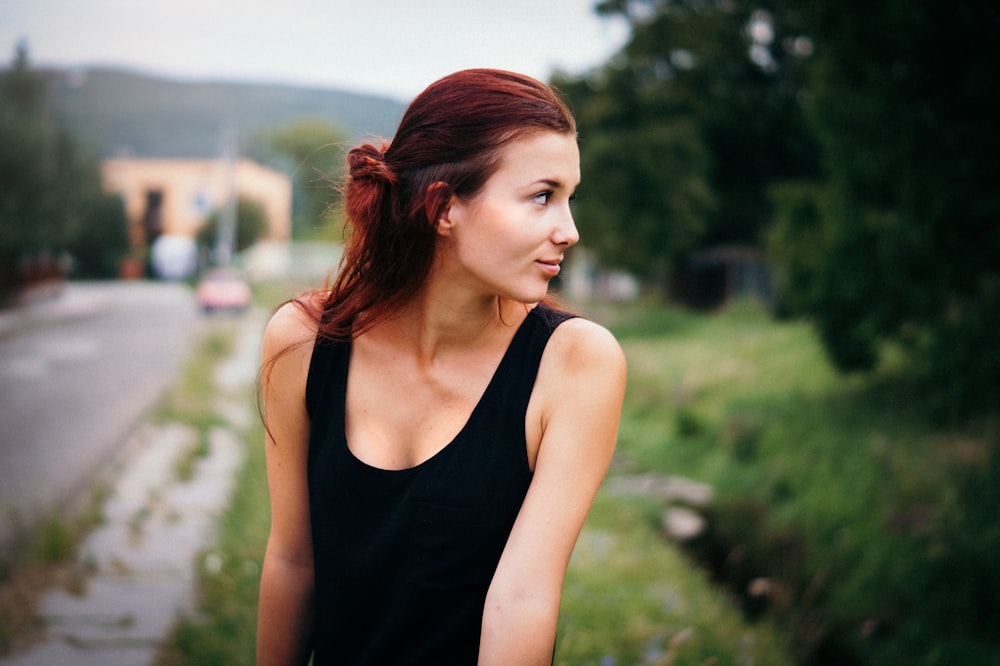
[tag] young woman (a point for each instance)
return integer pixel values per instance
(436, 429)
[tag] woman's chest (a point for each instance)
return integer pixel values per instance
(398, 415)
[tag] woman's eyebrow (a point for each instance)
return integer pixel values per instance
(550, 182)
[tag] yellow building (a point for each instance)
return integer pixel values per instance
(176, 196)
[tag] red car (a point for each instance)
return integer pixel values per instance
(223, 289)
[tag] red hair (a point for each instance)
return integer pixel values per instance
(449, 142)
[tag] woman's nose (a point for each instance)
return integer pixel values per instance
(565, 233)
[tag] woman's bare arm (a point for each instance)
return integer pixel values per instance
(284, 622)
(580, 386)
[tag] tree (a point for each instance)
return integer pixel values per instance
(315, 150)
(251, 225)
(685, 130)
(48, 187)
(101, 241)
(898, 241)
(644, 198)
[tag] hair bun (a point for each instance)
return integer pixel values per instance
(367, 162)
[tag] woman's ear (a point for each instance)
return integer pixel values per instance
(437, 206)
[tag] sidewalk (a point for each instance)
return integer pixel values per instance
(137, 570)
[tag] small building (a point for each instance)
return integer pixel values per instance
(176, 196)
(716, 276)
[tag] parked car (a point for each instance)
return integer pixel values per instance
(223, 289)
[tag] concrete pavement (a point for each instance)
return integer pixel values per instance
(50, 306)
(137, 570)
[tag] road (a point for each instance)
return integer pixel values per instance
(74, 383)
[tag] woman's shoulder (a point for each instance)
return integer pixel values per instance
(580, 386)
(294, 324)
(581, 347)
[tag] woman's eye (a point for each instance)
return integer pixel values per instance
(542, 197)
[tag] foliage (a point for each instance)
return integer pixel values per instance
(51, 199)
(871, 530)
(251, 225)
(898, 241)
(101, 241)
(315, 148)
(854, 140)
(683, 132)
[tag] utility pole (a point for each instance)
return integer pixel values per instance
(225, 242)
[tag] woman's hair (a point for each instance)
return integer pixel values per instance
(449, 142)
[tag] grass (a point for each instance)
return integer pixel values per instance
(629, 598)
(191, 401)
(873, 528)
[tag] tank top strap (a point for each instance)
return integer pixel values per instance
(516, 374)
(326, 378)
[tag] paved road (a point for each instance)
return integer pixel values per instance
(76, 375)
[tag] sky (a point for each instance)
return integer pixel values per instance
(393, 48)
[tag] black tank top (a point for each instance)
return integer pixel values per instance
(403, 558)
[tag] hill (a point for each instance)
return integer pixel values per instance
(119, 112)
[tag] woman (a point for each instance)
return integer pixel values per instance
(436, 430)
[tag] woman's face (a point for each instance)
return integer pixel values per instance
(510, 237)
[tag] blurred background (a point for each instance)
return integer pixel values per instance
(790, 217)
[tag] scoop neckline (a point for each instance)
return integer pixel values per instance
(454, 441)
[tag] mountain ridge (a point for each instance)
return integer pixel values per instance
(121, 112)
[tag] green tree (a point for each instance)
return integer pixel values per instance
(101, 241)
(251, 225)
(314, 151)
(684, 131)
(898, 241)
(49, 188)
(644, 198)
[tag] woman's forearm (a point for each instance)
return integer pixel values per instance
(284, 622)
(518, 632)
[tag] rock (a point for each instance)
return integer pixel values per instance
(667, 489)
(686, 491)
(683, 525)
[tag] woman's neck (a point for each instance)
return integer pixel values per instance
(444, 320)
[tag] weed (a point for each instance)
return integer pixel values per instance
(185, 466)
(56, 541)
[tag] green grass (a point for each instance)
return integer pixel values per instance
(630, 598)
(192, 400)
(874, 527)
